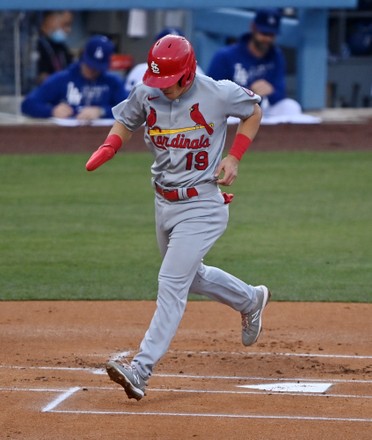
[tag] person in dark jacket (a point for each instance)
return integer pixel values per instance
(53, 55)
(84, 91)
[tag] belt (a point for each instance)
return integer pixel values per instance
(175, 195)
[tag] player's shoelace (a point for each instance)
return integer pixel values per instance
(245, 321)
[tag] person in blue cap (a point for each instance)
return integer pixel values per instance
(85, 90)
(257, 63)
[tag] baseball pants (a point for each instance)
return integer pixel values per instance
(186, 231)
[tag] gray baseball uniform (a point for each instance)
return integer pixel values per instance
(187, 137)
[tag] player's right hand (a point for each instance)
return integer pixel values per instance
(227, 170)
(105, 152)
(62, 111)
(99, 157)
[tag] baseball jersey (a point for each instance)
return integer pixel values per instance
(237, 64)
(71, 87)
(186, 135)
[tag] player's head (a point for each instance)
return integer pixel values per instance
(56, 25)
(97, 54)
(171, 60)
(265, 27)
(267, 21)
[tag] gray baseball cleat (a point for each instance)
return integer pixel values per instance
(252, 321)
(128, 377)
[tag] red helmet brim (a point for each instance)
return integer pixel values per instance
(160, 82)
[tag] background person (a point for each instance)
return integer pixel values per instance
(85, 90)
(256, 62)
(53, 55)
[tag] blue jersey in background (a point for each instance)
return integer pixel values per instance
(237, 64)
(71, 87)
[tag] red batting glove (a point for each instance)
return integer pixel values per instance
(105, 152)
(99, 157)
(228, 198)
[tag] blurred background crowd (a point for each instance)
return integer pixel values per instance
(37, 44)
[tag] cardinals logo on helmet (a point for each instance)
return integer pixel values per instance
(155, 67)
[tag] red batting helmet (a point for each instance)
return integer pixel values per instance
(171, 59)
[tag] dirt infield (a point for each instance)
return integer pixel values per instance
(308, 377)
(53, 385)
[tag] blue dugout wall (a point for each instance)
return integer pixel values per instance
(208, 23)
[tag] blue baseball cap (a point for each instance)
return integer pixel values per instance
(97, 53)
(267, 21)
(167, 31)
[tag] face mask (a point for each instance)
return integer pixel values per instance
(58, 36)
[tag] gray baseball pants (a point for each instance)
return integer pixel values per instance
(186, 231)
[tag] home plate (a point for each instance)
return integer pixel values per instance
(291, 387)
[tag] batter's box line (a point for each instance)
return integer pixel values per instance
(129, 353)
(63, 395)
(269, 353)
(228, 416)
(66, 393)
(59, 399)
(245, 392)
(102, 371)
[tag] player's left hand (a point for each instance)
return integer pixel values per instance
(229, 170)
(62, 110)
(89, 113)
(262, 87)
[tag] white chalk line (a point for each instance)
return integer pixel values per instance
(262, 393)
(128, 353)
(268, 353)
(58, 400)
(263, 379)
(34, 390)
(120, 355)
(66, 394)
(259, 393)
(52, 368)
(186, 391)
(228, 416)
(51, 407)
(102, 371)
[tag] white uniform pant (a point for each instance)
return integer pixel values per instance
(285, 107)
(186, 231)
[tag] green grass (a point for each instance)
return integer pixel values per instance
(300, 222)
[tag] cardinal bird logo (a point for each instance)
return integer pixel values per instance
(198, 118)
(151, 118)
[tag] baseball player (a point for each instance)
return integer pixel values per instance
(185, 116)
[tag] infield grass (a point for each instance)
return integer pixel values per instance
(300, 222)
